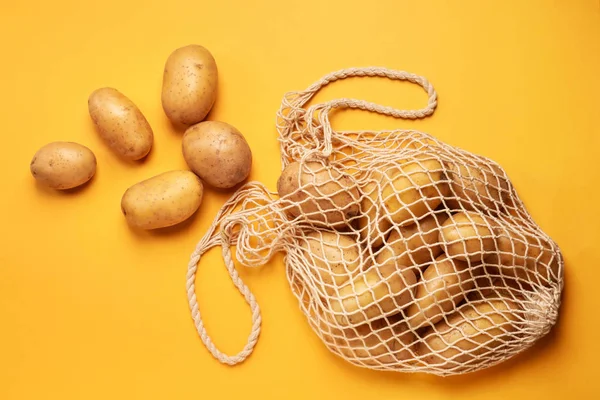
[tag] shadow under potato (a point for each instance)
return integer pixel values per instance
(177, 127)
(224, 192)
(64, 192)
(174, 230)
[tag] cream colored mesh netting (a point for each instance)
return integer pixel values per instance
(404, 253)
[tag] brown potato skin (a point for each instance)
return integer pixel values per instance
(373, 225)
(468, 330)
(336, 257)
(163, 200)
(467, 236)
(482, 186)
(63, 165)
(408, 192)
(120, 124)
(190, 83)
(328, 197)
(378, 343)
(379, 289)
(218, 153)
(412, 189)
(523, 255)
(415, 244)
(444, 284)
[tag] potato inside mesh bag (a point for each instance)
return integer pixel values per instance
(405, 253)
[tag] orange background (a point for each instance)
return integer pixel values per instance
(90, 309)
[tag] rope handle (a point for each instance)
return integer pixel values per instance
(304, 96)
(377, 108)
(224, 239)
(242, 288)
(292, 112)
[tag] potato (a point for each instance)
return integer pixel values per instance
(373, 225)
(120, 124)
(444, 284)
(474, 331)
(334, 258)
(189, 87)
(378, 343)
(323, 194)
(163, 200)
(411, 190)
(377, 292)
(218, 153)
(523, 255)
(63, 165)
(467, 236)
(488, 287)
(373, 229)
(476, 185)
(415, 244)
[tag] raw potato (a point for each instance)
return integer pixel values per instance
(190, 83)
(522, 255)
(411, 190)
(120, 124)
(63, 165)
(373, 228)
(487, 287)
(324, 196)
(473, 331)
(334, 258)
(467, 236)
(415, 244)
(373, 225)
(163, 200)
(379, 343)
(218, 153)
(374, 293)
(444, 284)
(481, 186)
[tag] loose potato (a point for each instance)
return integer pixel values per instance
(120, 124)
(523, 255)
(379, 343)
(415, 244)
(375, 293)
(467, 236)
(444, 284)
(163, 200)
(63, 165)
(476, 185)
(189, 84)
(334, 258)
(412, 189)
(319, 193)
(218, 153)
(475, 330)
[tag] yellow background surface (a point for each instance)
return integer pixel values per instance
(90, 309)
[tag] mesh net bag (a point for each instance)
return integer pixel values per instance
(405, 253)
